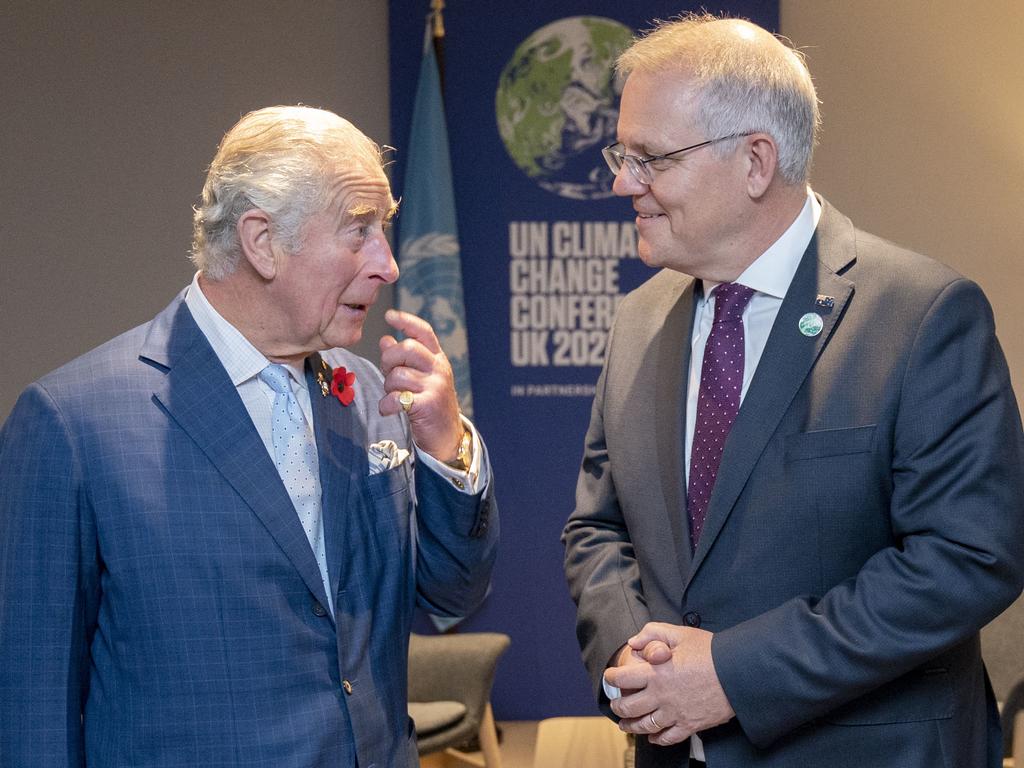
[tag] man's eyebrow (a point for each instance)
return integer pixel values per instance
(368, 211)
(363, 211)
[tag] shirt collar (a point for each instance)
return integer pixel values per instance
(772, 271)
(236, 353)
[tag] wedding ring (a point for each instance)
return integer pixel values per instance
(405, 399)
(654, 722)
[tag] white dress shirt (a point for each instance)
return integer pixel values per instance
(769, 276)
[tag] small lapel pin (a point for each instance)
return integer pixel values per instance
(810, 324)
(827, 302)
(324, 386)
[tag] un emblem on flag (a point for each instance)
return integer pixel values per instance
(431, 287)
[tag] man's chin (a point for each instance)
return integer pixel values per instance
(342, 337)
(647, 255)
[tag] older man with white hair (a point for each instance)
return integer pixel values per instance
(213, 536)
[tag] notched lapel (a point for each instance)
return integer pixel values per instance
(787, 360)
(342, 451)
(199, 396)
(672, 366)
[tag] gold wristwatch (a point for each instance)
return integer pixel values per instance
(464, 455)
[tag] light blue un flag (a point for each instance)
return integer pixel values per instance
(428, 254)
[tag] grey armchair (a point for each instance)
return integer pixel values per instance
(450, 679)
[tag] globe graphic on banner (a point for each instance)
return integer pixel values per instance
(557, 104)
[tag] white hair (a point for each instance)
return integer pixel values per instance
(283, 161)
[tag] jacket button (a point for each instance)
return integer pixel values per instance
(347, 686)
(691, 619)
(318, 610)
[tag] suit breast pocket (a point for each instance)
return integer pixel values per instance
(841, 478)
(390, 505)
(383, 526)
(824, 443)
(390, 482)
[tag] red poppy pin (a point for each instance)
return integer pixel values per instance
(342, 385)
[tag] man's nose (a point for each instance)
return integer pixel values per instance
(626, 184)
(387, 269)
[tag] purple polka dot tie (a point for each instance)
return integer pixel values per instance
(721, 381)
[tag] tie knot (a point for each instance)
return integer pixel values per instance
(730, 301)
(276, 377)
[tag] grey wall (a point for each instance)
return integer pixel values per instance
(110, 113)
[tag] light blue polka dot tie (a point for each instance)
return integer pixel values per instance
(296, 459)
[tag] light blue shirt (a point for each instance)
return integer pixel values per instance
(243, 362)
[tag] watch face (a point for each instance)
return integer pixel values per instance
(462, 458)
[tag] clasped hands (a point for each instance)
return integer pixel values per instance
(670, 689)
(418, 365)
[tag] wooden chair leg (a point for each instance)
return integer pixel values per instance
(489, 740)
(1018, 740)
(490, 752)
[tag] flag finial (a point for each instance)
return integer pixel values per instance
(436, 14)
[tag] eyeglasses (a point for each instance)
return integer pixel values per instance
(616, 158)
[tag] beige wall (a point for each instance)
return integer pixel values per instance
(923, 139)
(923, 143)
(109, 113)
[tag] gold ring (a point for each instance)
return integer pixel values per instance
(654, 722)
(405, 399)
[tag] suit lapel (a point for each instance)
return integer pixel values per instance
(672, 367)
(787, 360)
(342, 452)
(198, 394)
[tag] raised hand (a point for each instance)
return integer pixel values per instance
(417, 365)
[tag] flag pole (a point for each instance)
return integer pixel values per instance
(436, 17)
(428, 251)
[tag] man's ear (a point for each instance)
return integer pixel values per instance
(254, 238)
(763, 159)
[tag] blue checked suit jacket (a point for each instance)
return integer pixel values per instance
(159, 602)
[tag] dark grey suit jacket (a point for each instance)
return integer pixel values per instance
(867, 521)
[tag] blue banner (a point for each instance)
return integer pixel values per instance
(531, 98)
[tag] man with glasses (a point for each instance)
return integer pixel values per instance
(801, 494)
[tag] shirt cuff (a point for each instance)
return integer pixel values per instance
(476, 478)
(610, 690)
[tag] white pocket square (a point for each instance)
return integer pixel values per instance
(385, 455)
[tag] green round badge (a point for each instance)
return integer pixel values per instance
(810, 324)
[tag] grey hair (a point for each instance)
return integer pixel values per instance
(285, 161)
(747, 80)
